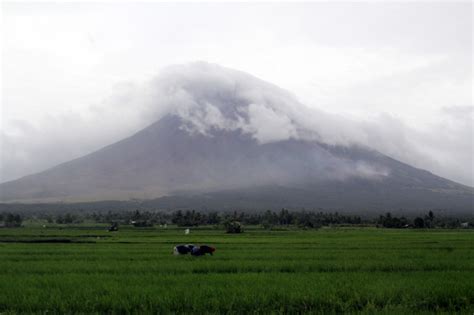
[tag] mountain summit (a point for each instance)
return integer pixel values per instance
(222, 138)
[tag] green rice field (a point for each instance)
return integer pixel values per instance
(330, 270)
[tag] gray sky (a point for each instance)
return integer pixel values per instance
(73, 74)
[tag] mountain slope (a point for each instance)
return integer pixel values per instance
(223, 146)
(230, 168)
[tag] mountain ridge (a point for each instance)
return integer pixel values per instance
(220, 142)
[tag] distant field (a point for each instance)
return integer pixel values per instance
(323, 271)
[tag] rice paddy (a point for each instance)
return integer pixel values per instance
(331, 270)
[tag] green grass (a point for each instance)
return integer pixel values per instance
(325, 271)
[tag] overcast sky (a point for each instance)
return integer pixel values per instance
(70, 72)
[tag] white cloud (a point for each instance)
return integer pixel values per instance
(269, 126)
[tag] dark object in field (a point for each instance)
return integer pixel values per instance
(202, 250)
(113, 227)
(194, 250)
(183, 249)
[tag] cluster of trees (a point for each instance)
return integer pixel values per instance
(390, 221)
(10, 219)
(68, 218)
(421, 222)
(137, 218)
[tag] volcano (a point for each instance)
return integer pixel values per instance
(225, 139)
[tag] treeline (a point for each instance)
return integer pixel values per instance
(421, 222)
(267, 219)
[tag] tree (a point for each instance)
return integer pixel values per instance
(233, 227)
(429, 219)
(285, 217)
(213, 218)
(419, 223)
(136, 215)
(13, 220)
(431, 215)
(69, 218)
(177, 217)
(269, 219)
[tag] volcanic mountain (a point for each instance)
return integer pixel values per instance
(225, 139)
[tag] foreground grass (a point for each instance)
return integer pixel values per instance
(325, 271)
